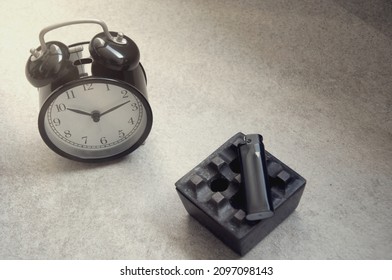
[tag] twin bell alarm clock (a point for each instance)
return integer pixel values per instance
(92, 95)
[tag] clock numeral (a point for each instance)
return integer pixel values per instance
(103, 140)
(107, 87)
(121, 134)
(87, 87)
(67, 133)
(134, 106)
(61, 107)
(124, 93)
(85, 139)
(131, 121)
(70, 94)
(56, 121)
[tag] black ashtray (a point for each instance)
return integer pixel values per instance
(212, 193)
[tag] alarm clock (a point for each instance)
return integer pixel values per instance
(92, 95)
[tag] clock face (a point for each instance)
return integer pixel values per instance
(95, 119)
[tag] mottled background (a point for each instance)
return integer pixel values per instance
(314, 77)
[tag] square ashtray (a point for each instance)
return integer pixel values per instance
(212, 193)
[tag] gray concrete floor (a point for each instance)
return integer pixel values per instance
(314, 77)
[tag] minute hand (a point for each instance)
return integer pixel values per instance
(114, 108)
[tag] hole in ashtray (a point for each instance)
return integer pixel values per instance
(235, 165)
(238, 201)
(276, 182)
(219, 184)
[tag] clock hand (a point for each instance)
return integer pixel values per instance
(79, 111)
(95, 114)
(114, 108)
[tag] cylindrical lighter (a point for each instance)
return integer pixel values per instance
(254, 178)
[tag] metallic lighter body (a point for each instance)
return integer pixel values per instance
(254, 178)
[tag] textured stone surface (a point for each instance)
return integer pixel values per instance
(314, 77)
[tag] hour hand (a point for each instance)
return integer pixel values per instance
(79, 111)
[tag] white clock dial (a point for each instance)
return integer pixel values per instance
(95, 119)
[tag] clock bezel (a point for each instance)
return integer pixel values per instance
(91, 79)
